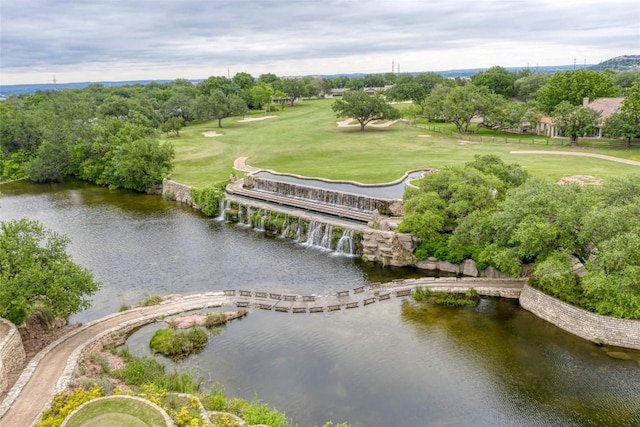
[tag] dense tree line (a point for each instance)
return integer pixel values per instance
(86, 133)
(495, 214)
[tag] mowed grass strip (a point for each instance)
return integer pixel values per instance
(306, 140)
(121, 412)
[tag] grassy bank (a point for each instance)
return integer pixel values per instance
(306, 140)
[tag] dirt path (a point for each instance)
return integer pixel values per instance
(570, 153)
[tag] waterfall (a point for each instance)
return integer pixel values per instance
(299, 230)
(327, 236)
(248, 216)
(285, 227)
(223, 205)
(314, 233)
(261, 216)
(345, 244)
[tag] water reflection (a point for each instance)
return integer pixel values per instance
(387, 364)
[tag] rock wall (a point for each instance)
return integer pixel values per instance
(12, 354)
(388, 247)
(587, 325)
(172, 190)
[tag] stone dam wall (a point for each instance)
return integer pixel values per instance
(12, 354)
(590, 326)
(172, 190)
(325, 196)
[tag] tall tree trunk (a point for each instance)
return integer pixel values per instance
(574, 140)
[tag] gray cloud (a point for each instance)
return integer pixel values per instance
(42, 35)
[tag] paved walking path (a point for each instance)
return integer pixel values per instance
(571, 153)
(52, 369)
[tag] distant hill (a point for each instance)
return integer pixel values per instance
(619, 63)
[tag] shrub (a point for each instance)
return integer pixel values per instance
(65, 403)
(178, 344)
(151, 300)
(209, 198)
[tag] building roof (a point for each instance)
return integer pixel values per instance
(606, 106)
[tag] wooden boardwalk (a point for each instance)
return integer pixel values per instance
(369, 294)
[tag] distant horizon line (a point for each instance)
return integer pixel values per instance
(462, 71)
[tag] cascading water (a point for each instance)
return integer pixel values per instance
(223, 205)
(345, 244)
(327, 236)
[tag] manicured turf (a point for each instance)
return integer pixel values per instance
(305, 139)
(120, 412)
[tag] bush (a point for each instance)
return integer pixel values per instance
(151, 300)
(209, 198)
(65, 403)
(178, 344)
(452, 299)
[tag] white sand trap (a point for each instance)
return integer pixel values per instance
(464, 141)
(581, 179)
(211, 133)
(425, 136)
(376, 124)
(254, 119)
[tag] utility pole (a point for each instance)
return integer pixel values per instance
(393, 67)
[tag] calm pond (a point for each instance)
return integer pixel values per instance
(392, 363)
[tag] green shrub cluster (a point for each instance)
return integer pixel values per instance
(148, 370)
(537, 224)
(178, 344)
(65, 403)
(209, 198)
(453, 299)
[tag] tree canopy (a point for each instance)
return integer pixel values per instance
(364, 108)
(573, 87)
(489, 212)
(36, 273)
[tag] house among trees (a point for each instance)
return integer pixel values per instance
(371, 91)
(605, 106)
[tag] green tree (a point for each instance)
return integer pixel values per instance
(575, 121)
(573, 87)
(622, 125)
(526, 87)
(172, 125)
(141, 164)
(243, 80)
(459, 104)
(36, 273)
(497, 79)
(261, 95)
(293, 87)
(219, 106)
(364, 108)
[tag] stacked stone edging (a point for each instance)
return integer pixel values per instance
(178, 192)
(590, 326)
(12, 353)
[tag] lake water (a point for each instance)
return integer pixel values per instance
(392, 363)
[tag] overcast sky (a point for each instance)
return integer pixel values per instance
(102, 40)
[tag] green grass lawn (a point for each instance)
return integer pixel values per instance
(117, 412)
(305, 140)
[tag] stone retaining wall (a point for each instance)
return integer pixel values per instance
(172, 190)
(12, 354)
(587, 325)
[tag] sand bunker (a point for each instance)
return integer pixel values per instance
(425, 136)
(211, 133)
(375, 124)
(581, 179)
(254, 119)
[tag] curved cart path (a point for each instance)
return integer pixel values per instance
(27, 403)
(570, 153)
